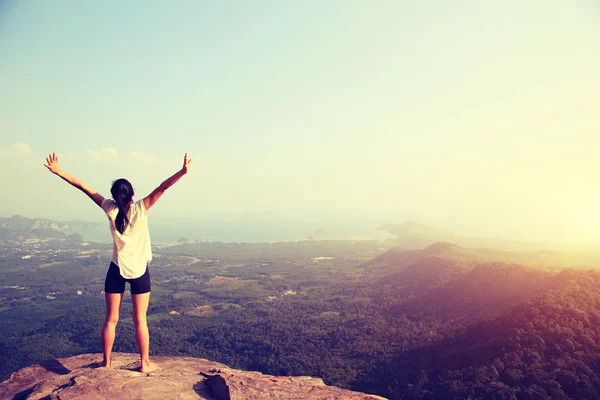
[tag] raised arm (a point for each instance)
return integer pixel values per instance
(54, 167)
(156, 193)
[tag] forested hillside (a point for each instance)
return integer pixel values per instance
(410, 324)
(546, 347)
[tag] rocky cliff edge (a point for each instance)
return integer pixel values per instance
(80, 377)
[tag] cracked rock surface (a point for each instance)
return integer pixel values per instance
(80, 377)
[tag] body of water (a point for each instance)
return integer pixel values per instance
(244, 230)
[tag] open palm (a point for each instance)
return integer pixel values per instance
(52, 163)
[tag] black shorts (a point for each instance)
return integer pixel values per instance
(115, 283)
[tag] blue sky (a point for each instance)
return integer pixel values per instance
(476, 116)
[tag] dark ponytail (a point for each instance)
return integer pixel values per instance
(122, 193)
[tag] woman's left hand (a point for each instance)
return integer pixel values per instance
(52, 163)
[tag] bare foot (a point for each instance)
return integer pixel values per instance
(148, 367)
(104, 363)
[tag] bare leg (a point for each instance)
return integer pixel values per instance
(142, 336)
(113, 306)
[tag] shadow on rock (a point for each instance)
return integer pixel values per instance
(23, 394)
(55, 366)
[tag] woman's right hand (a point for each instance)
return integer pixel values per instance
(186, 162)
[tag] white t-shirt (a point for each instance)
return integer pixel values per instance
(131, 251)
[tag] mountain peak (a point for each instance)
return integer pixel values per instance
(177, 378)
(439, 248)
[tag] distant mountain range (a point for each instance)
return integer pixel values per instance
(547, 259)
(413, 235)
(47, 227)
(410, 235)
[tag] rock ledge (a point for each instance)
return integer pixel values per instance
(178, 378)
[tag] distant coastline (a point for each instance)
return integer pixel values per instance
(242, 229)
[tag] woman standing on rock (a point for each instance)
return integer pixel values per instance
(131, 254)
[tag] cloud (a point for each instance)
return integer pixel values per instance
(105, 155)
(142, 157)
(16, 150)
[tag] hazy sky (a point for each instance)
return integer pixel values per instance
(477, 116)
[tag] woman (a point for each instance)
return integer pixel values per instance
(131, 254)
